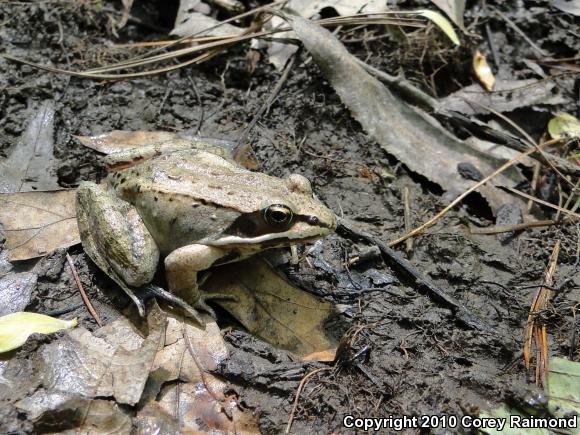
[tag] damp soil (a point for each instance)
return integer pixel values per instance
(408, 353)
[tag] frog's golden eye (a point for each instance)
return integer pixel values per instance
(278, 215)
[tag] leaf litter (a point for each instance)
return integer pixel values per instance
(412, 136)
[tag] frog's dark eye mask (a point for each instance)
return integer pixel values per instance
(276, 218)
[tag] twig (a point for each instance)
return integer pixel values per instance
(86, 299)
(536, 332)
(407, 219)
(518, 227)
(457, 200)
(298, 392)
(569, 213)
(461, 312)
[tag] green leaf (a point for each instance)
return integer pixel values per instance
(563, 387)
(15, 328)
(441, 22)
(564, 124)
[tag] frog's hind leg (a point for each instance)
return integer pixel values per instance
(116, 239)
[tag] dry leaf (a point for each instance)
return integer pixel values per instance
(483, 71)
(114, 361)
(564, 124)
(454, 10)
(190, 355)
(508, 95)
(15, 328)
(407, 133)
(272, 308)
(120, 140)
(121, 146)
(30, 165)
(36, 223)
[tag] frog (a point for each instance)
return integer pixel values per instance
(188, 210)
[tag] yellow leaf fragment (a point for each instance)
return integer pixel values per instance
(483, 71)
(15, 328)
(564, 124)
(441, 22)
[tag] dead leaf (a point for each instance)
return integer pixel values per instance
(121, 145)
(454, 10)
(16, 291)
(507, 96)
(65, 412)
(568, 6)
(483, 71)
(114, 361)
(30, 164)
(279, 53)
(120, 140)
(272, 308)
(36, 223)
(190, 355)
(564, 125)
(192, 19)
(404, 131)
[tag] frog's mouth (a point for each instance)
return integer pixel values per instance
(251, 229)
(266, 240)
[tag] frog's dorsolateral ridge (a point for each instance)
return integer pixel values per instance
(194, 209)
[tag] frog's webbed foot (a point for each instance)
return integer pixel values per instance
(202, 305)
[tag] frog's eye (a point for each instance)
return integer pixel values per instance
(278, 215)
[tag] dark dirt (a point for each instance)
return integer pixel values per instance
(417, 358)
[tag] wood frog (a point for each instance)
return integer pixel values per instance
(191, 209)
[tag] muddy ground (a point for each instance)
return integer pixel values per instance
(417, 357)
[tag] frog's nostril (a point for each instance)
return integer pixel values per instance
(313, 220)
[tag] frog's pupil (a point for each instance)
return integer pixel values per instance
(278, 216)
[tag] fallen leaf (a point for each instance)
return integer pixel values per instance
(121, 146)
(113, 361)
(192, 19)
(120, 140)
(65, 412)
(279, 53)
(564, 125)
(30, 164)
(15, 328)
(568, 6)
(189, 356)
(483, 71)
(507, 96)
(272, 308)
(16, 291)
(562, 386)
(443, 24)
(454, 10)
(36, 223)
(404, 131)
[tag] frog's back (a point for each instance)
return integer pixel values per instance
(192, 196)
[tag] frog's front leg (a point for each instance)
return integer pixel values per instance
(182, 267)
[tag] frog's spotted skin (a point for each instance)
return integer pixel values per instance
(197, 209)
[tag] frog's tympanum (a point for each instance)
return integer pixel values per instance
(193, 209)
